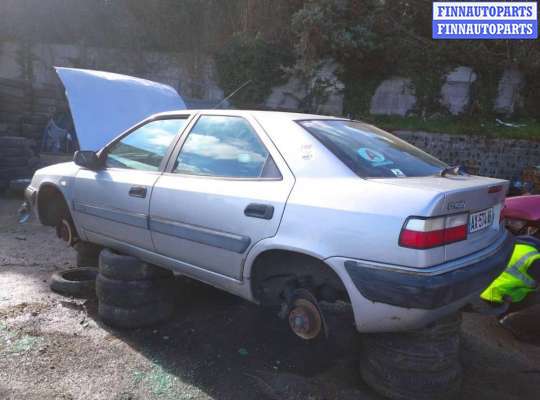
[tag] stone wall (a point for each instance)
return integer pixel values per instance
(397, 95)
(31, 93)
(191, 74)
(481, 155)
(25, 109)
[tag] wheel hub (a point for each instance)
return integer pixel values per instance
(65, 232)
(305, 319)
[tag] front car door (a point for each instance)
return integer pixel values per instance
(113, 203)
(225, 189)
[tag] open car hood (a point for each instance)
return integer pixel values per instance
(103, 104)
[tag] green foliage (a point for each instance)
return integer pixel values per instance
(249, 57)
(377, 39)
(468, 125)
(372, 40)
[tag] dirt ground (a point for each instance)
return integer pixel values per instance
(216, 347)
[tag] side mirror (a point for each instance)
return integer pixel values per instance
(87, 159)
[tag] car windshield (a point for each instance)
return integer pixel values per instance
(371, 152)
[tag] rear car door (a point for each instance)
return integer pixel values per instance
(113, 203)
(225, 189)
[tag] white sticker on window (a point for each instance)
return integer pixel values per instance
(399, 173)
(307, 151)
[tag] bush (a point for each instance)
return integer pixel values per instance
(248, 57)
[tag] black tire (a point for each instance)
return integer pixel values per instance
(127, 268)
(14, 151)
(77, 282)
(12, 141)
(434, 348)
(15, 172)
(398, 384)
(87, 262)
(130, 318)
(4, 185)
(9, 162)
(420, 364)
(133, 294)
(88, 250)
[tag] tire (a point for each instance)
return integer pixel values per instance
(398, 384)
(420, 356)
(130, 318)
(87, 262)
(88, 250)
(12, 141)
(4, 185)
(434, 348)
(87, 254)
(77, 282)
(9, 162)
(127, 268)
(420, 364)
(15, 172)
(132, 294)
(14, 151)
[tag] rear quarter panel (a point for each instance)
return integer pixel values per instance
(355, 218)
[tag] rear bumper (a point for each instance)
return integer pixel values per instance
(431, 288)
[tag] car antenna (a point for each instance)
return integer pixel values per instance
(233, 93)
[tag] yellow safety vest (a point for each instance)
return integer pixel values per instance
(514, 283)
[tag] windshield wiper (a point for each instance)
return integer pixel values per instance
(455, 170)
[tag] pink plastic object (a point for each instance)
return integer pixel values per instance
(524, 208)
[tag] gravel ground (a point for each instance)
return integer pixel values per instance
(216, 347)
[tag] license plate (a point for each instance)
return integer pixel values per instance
(480, 220)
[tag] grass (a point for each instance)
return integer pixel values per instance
(164, 384)
(530, 128)
(11, 343)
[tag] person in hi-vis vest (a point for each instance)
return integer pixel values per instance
(518, 285)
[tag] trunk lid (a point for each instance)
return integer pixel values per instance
(104, 104)
(462, 194)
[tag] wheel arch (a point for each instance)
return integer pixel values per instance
(49, 201)
(279, 265)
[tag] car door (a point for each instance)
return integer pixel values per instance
(113, 203)
(225, 190)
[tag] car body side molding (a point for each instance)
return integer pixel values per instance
(222, 240)
(120, 216)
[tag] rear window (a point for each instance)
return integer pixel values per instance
(371, 152)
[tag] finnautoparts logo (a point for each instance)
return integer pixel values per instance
(485, 20)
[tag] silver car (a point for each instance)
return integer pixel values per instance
(263, 204)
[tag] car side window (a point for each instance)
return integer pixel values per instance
(225, 146)
(144, 148)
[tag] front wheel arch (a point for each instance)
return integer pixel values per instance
(51, 205)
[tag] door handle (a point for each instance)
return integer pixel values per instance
(138, 191)
(262, 211)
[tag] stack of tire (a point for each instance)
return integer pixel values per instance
(17, 160)
(415, 365)
(131, 293)
(87, 254)
(15, 101)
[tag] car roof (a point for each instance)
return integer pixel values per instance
(279, 114)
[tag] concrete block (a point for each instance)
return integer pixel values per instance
(509, 95)
(393, 96)
(456, 91)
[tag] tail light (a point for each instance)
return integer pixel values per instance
(426, 233)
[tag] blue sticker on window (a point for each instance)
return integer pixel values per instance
(374, 157)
